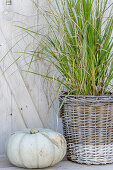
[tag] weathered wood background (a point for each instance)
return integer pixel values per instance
(24, 99)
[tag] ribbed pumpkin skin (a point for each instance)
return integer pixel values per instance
(38, 150)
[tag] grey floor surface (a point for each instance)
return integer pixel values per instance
(63, 165)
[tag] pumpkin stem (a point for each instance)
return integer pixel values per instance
(33, 131)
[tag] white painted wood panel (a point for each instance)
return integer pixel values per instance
(18, 88)
(24, 99)
(39, 89)
(5, 111)
(17, 108)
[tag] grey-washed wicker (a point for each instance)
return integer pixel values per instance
(88, 128)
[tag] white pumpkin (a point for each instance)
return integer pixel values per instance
(36, 148)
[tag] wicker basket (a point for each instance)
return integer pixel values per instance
(88, 128)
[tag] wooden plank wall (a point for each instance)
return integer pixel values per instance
(24, 99)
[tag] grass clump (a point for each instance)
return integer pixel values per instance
(79, 45)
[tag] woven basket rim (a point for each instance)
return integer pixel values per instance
(92, 96)
(87, 98)
(65, 93)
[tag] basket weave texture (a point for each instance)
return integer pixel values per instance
(88, 128)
